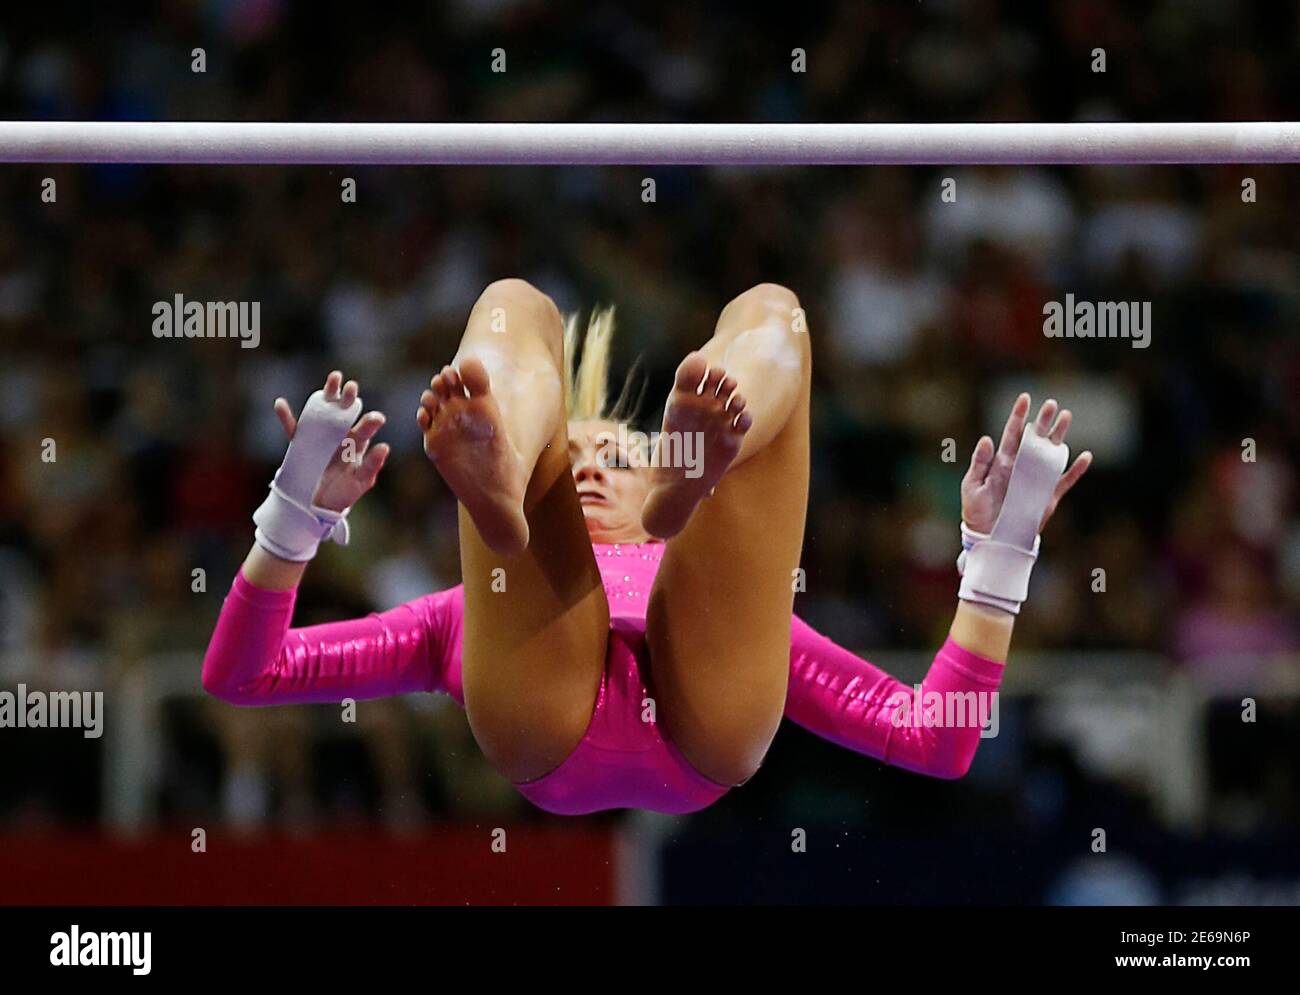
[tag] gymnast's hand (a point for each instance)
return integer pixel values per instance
(985, 484)
(356, 464)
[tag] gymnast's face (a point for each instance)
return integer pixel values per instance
(612, 482)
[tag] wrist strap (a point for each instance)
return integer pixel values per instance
(995, 568)
(294, 531)
(288, 523)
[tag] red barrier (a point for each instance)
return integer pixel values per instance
(451, 865)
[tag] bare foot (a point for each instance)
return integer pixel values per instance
(705, 408)
(466, 439)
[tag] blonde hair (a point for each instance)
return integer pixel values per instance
(586, 380)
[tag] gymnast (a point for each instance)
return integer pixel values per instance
(624, 634)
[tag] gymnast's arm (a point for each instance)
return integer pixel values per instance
(255, 658)
(842, 698)
(1008, 494)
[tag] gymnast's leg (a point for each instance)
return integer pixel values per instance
(718, 622)
(536, 617)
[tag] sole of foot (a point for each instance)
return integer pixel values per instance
(465, 438)
(705, 405)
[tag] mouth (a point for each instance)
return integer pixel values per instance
(592, 497)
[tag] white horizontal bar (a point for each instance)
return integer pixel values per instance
(646, 144)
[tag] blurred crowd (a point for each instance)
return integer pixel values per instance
(926, 311)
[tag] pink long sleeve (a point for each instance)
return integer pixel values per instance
(254, 658)
(841, 697)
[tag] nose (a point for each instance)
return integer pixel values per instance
(588, 469)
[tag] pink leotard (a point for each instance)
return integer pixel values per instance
(255, 658)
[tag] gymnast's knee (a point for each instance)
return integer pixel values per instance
(731, 753)
(518, 296)
(766, 300)
(526, 742)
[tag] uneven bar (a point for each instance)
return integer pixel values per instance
(291, 143)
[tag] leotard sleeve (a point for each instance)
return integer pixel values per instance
(840, 697)
(255, 658)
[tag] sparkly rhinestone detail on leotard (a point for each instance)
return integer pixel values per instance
(628, 571)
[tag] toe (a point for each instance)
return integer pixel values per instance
(713, 381)
(691, 372)
(474, 375)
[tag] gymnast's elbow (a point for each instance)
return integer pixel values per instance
(952, 771)
(950, 765)
(219, 683)
(218, 687)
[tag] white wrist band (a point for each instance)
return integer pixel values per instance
(995, 568)
(288, 523)
(293, 531)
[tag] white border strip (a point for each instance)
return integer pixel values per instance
(646, 144)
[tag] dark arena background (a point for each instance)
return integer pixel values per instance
(1151, 693)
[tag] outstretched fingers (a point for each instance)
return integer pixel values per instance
(1067, 481)
(372, 463)
(981, 461)
(1014, 427)
(1062, 426)
(1056, 425)
(990, 468)
(1043, 423)
(333, 383)
(342, 394)
(1072, 475)
(364, 430)
(353, 450)
(287, 419)
(335, 390)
